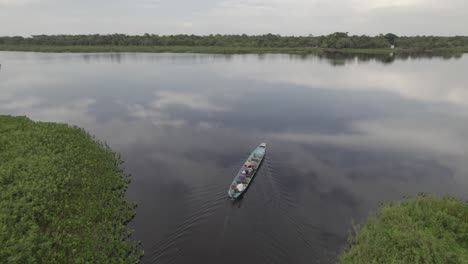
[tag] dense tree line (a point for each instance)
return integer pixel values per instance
(336, 40)
(61, 196)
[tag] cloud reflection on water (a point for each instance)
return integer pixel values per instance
(341, 139)
(404, 78)
(397, 125)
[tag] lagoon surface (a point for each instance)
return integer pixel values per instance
(344, 134)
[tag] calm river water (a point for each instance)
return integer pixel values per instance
(344, 134)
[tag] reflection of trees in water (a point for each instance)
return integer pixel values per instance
(335, 58)
(114, 57)
(341, 59)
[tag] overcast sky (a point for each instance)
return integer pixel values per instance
(286, 17)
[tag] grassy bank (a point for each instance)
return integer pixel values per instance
(451, 50)
(61, 196)
(204, 49)
(423, 230)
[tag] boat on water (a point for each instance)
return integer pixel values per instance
(247, 172)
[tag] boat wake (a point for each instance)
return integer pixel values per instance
(266, 225)
(205, 202)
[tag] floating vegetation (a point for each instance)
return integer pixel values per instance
(61, 196)
(423, 230)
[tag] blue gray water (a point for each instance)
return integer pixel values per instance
(344, 134)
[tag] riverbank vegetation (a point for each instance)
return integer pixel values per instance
(61, 196)
(159, 49)
(422, 230)
(269, 43)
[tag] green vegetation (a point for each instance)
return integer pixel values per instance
(268, 43)
(159, 49)
(423, 230)
(61, 196)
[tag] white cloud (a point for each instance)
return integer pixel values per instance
(76, 110)
(391, 135)
(192, 101)
(302, 17)
(7, 3)
(150, 4)
(320, 7)
(24, 103)
(158, 113)
(156, 117)
(5, 96)
(371, 4)
(403, 78)
(289, 17)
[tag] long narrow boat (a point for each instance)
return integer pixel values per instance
(247, 172)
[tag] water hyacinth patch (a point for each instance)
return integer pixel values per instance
(61, 196)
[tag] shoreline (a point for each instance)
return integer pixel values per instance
(407, 231)
(62, 196)
(221, 50)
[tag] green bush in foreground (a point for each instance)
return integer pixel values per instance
(61, 196)
(423, 230)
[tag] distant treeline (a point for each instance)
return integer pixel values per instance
(338, 40)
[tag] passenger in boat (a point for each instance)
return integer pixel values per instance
(247, 172)
(248, 164)
(241, 179)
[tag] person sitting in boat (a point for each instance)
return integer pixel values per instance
(248, 164)
(247, 172)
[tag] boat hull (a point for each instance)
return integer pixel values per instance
(244, 177)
